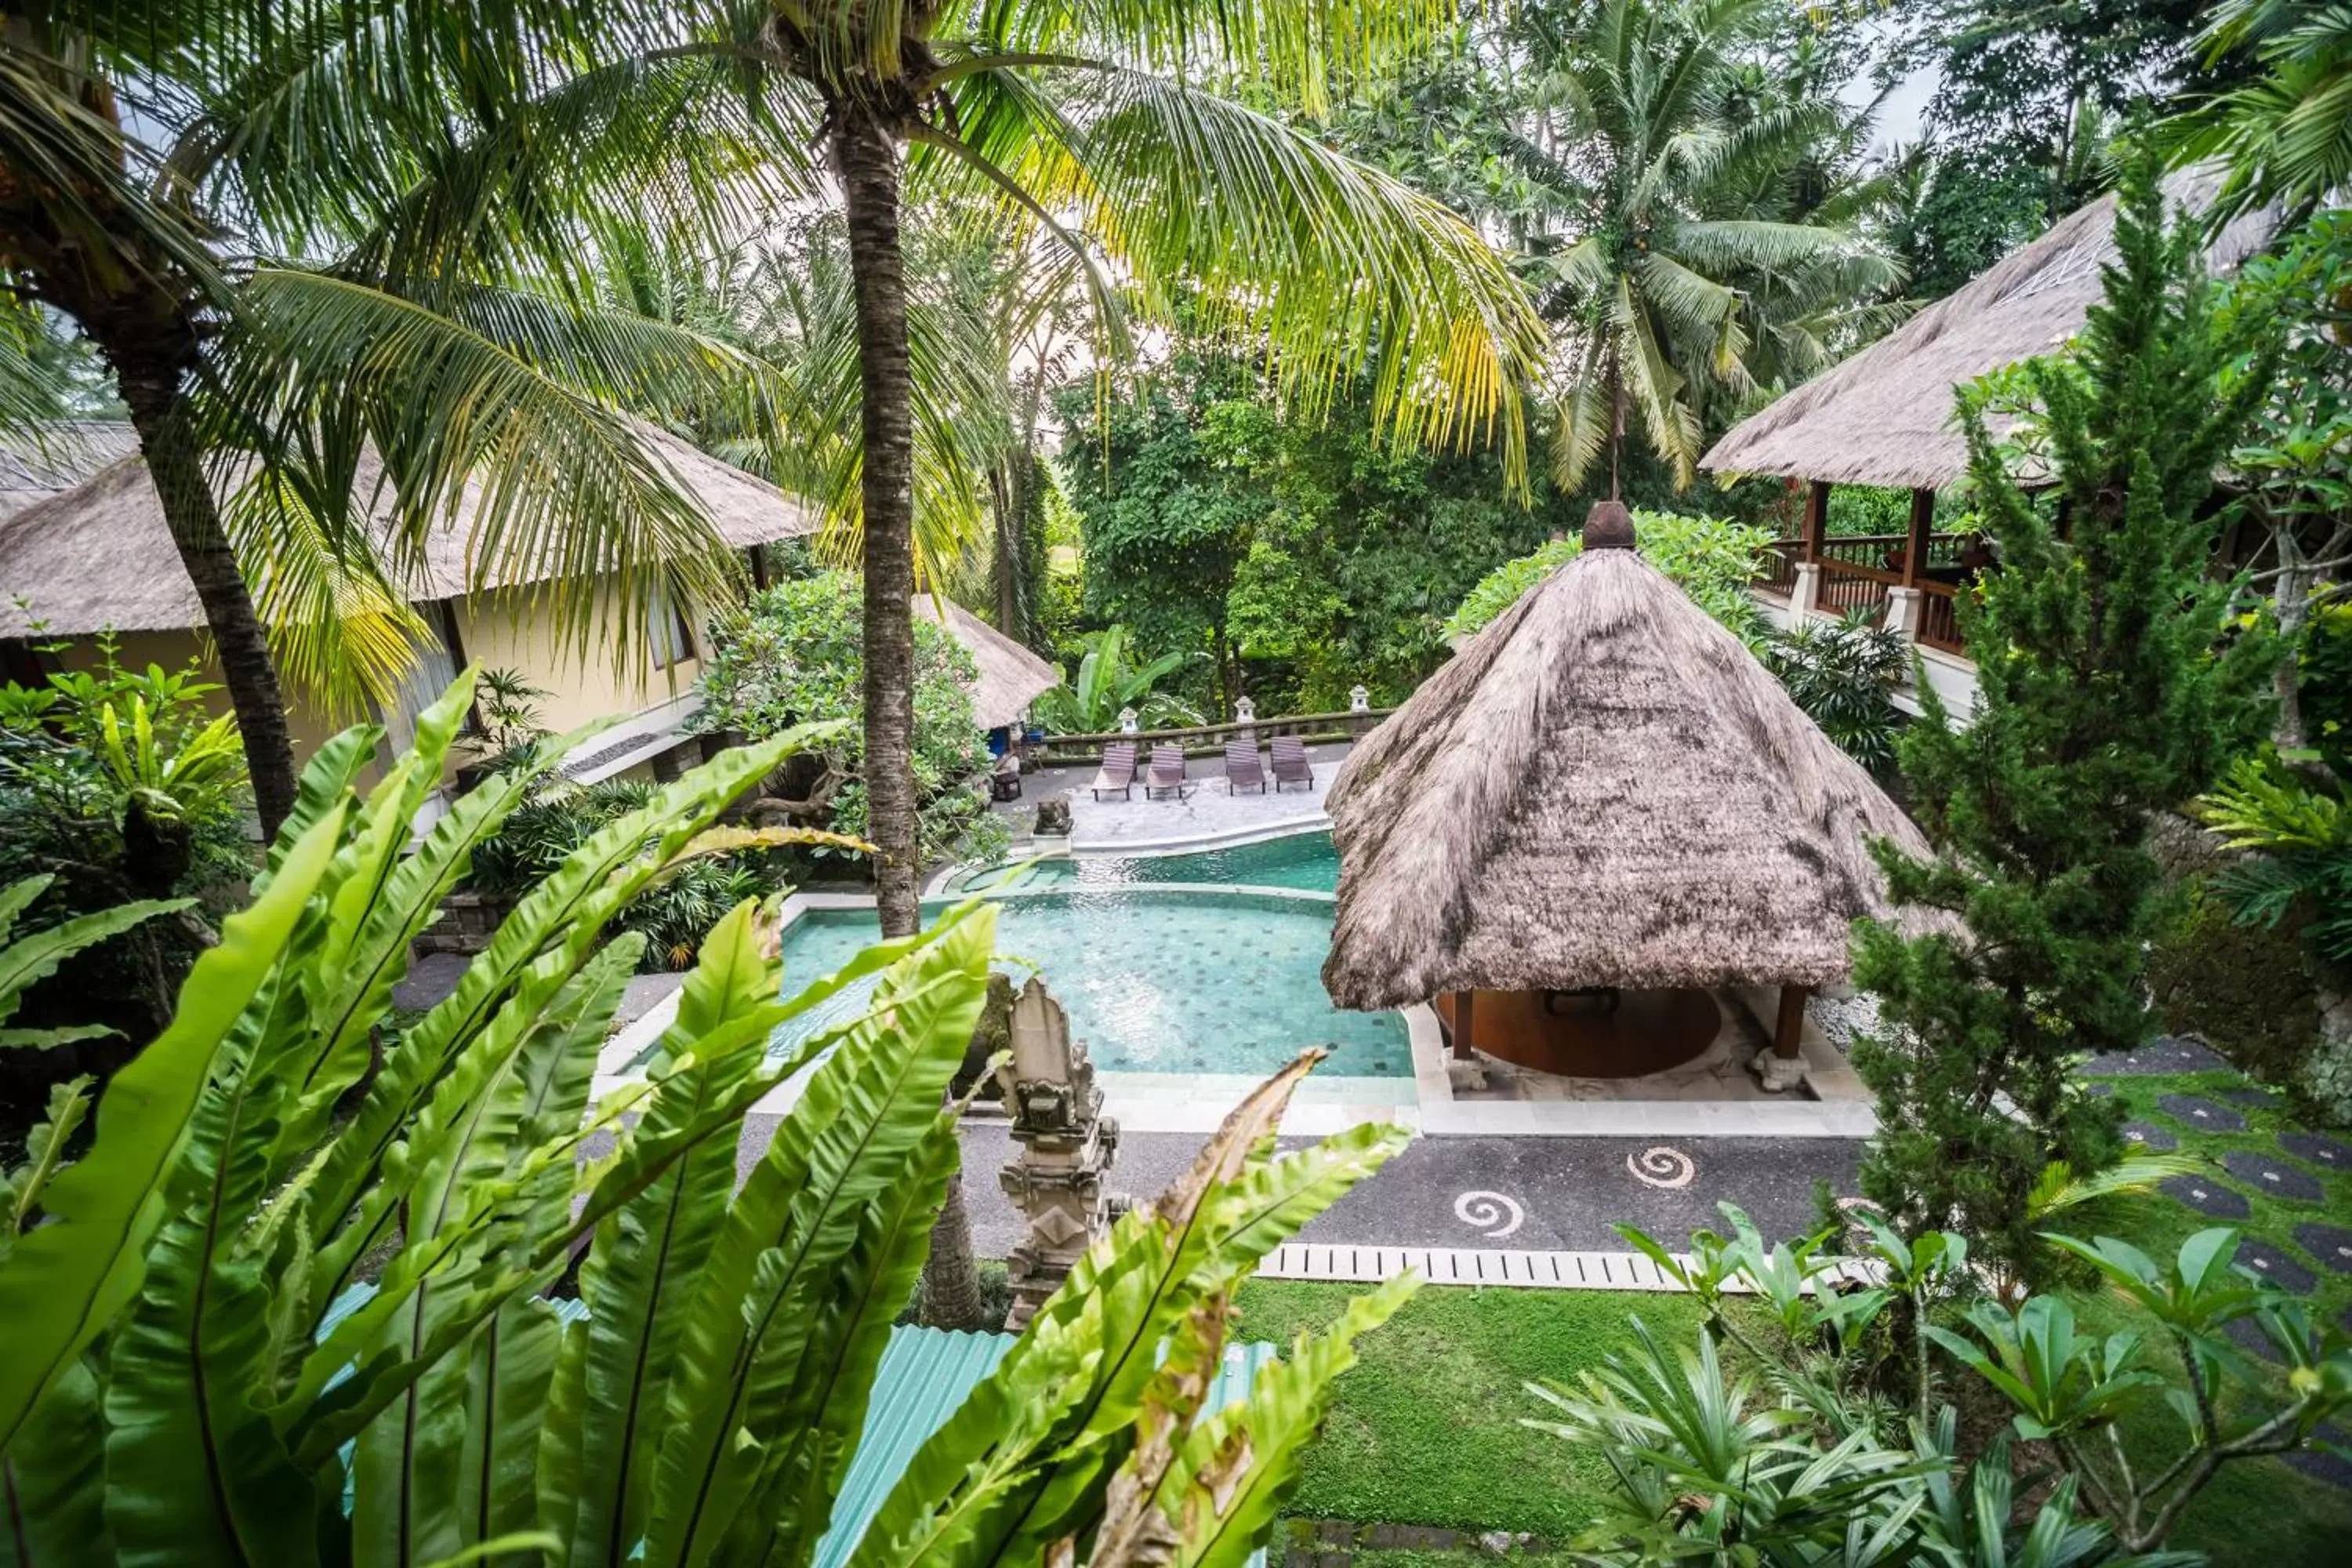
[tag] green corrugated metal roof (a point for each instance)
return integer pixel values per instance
(923, 1379)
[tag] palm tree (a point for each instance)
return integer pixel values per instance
(2287, 133)
(129, 132)
(1669, 281)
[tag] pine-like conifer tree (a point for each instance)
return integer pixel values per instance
(2102, 701)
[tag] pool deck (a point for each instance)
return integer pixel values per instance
(1210, 813)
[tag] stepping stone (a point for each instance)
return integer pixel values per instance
(2248, 1336)
(2311, 1146)
(2332, 1244)
(2164, 1053)
(2321, 1466)
(2261, 1096)
(2203, 1114)
(2276, 1177)
(2150, 1137)
(2206, 1195)
(2272, 1263)
(2103, 1089)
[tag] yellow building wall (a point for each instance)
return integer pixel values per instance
(517, 630)
(173, 650)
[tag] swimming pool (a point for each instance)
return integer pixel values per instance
(1302, 860)
(1155, 980)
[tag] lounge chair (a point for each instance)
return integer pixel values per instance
(1166, 773)
(1243, 770)
(1290, 763)
(1117, 775)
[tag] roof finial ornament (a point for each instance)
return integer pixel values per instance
(1609, 526)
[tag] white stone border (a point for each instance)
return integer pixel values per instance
(1423, 1103)
(1355, 1263)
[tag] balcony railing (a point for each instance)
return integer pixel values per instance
(1208, 740)
(1857, 572)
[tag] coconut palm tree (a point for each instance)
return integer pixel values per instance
(133, 136)
(2287, 135)
(1666, 279)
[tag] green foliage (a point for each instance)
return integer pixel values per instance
(797, 657)
(186, 1363)
(1814, 1463)
(2100, 702)
(2297, 832)
(1712, 560)
(33, 957)
(2240, 988)
(1843, 674)
(1304, 557)
(2280, 134)
(672, 915)
(507, 705)
(1110, 678)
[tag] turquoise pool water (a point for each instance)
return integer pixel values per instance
(1157, 982)
(1303, 860)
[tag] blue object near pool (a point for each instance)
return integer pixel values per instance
(1155, 981)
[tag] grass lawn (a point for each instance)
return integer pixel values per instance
(1425, 1430)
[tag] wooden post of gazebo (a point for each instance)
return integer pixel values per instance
(1786, 1066)
(1462, 1051)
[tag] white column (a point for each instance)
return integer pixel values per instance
(1902, 612)
(1807, 592)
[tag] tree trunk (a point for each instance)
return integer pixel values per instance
(150, 391)
(1005, 498)
(865, 160)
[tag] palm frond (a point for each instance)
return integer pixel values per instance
(1333, 266)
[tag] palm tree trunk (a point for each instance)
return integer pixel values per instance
(149, 384)
(1004, 499)
(865, 160)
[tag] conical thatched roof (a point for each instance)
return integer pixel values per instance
(1011, 676)
(100, 555)
(1884, 417)
(1602, 788)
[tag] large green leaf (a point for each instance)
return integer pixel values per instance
(36, 956)
(647, 1258)
(863, 1115)
(64, 1283)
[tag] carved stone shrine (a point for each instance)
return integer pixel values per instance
(1067, 1145)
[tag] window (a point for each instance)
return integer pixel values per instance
(667, 633)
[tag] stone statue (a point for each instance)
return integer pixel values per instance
(1067, 1145)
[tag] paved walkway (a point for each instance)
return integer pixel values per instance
(1539, 1194)
(1210, 811)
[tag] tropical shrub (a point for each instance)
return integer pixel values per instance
(1713, 561)
(675, 913)
(1843, 674)
(2296, 830)
(797, 658)
(1801, 1457)
(118, 786)
(291, 1304)
(1111, 678)
(2100, 704)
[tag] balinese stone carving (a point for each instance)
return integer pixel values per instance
(1067, 1145)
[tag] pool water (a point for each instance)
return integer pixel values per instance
(1302, 860)
(1154, 982)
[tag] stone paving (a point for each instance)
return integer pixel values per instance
(2202, 1113)
(2206, 1195)
(2276, 1177)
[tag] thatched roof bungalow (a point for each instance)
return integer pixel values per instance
(1884, 417)
(1011, 676)
(1603, 789)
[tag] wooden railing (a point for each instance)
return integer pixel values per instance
(1857, 570)
(1208, 740)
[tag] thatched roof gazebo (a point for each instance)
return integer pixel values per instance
(1884, 417)
(1603, 789)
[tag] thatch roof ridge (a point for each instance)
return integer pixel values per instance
(100, 555)
(1011, 676)
(1603, 788)
(1884, 416)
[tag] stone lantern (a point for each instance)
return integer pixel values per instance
(1127, 725)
